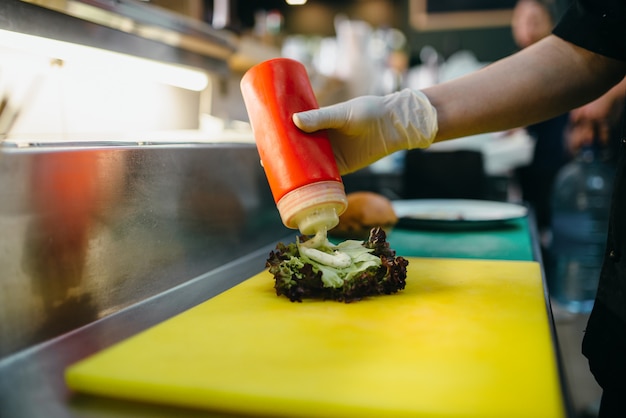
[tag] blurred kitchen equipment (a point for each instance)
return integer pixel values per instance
(221, 14)
(16, 92)
(353, 46)
(580, 205)
(456, 174)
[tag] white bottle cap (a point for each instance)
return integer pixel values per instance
(313, 207)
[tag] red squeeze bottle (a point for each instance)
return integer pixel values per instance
(300, 167)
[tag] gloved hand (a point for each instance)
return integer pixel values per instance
(368, 128)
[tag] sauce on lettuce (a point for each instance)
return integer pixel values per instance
(315, 268)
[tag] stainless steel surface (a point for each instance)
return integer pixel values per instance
(127, 26)
(585, 391)
(87, 232)
(99, 243)
(32, 383)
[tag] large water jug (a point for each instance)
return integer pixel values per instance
(580, 213)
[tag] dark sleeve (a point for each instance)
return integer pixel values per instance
(596, 25)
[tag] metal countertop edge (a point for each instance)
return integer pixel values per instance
(9, 146)
(568, 403)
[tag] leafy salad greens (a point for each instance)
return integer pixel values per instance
(313, 267)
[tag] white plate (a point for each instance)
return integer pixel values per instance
(456, 213)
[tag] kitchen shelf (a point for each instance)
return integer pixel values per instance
(125, 26)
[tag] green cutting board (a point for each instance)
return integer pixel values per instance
(466, 338)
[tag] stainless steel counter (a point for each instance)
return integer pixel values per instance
(99, 243)
(32, 383)
(87, 232)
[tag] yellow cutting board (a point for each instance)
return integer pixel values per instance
(466, 338)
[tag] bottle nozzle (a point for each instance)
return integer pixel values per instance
(317, 220)
(313, 207)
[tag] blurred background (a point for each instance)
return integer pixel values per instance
(120, 75)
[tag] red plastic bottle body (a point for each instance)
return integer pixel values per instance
(273, 91)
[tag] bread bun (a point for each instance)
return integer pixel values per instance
(365, 211)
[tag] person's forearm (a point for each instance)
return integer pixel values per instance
(537, 83)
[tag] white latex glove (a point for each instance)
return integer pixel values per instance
(368, 128)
